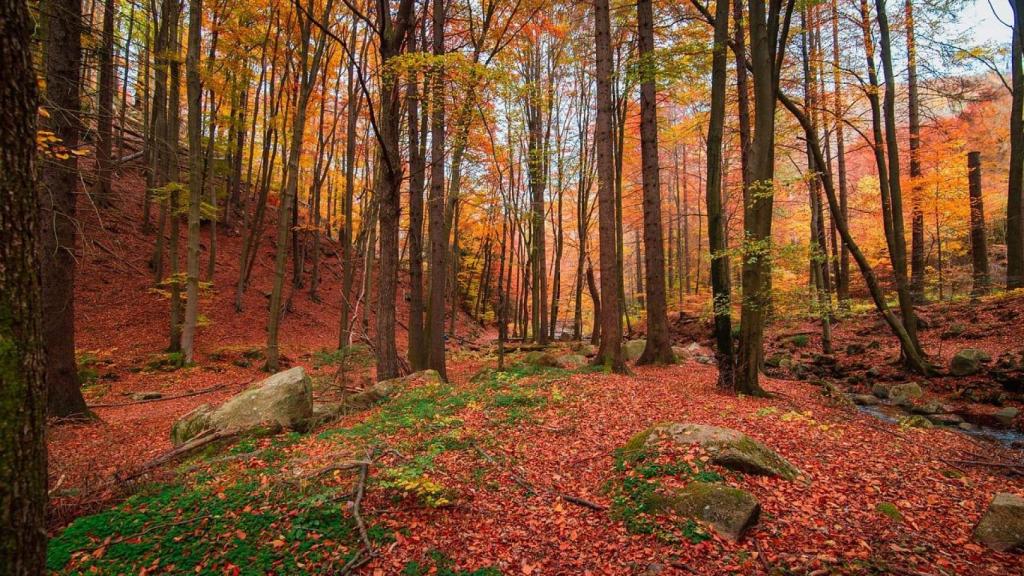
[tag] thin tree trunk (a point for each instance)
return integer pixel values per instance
(979, 243)
(105, 122)
(194, 90)
(917, 261)
(438, 234)
(1015, 179)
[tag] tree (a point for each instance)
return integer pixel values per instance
(720, 285)
(1015, 181)
(658, 349)
(769, 30)
(979, 243)
(917, 260)
(22, 359)
(194, 90)
(104, 128)
(610, 350)
(59, 182)
(438, 232)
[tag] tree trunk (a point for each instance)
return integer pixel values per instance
(194, 91)
(23, 475)
(59, 182)
(438, 233)
(417, 342)
(105, 119)
(1015, 180)
(720, 280)
(979, 242)
(917, 262)
(610, 351)
(658, 349)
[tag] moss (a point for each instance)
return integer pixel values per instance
(636, 448)
(749, 455)
(889, 509)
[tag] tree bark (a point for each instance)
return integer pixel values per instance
(1015, 179)
(105, 119)
(979, 242)
(23, 480)
(59, 183)
(438, 233)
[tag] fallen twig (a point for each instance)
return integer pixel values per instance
(1015, 468)
(161, 399)
(367, 552)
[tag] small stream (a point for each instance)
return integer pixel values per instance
(1008, 437)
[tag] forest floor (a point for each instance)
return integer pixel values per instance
(513, 472)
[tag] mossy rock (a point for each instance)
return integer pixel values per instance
(632, 349)
(727, 448)
(730, 511)
(1002, 526)
(284, 400)
(968, 361)
(571, 361)
(916, 421)
(539, 358)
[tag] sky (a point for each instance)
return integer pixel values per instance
(986, 26)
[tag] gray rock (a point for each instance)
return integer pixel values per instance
(966, 426)
(864, 399)
(632, 349)
(698, 353)
(730, 511)
(968, 361)
(905, 393)
(570, 361)
(944, 419)
(1006, 416)
(284, 400)
(928, 407)
(1002, 526)
(539, 358)
(728, 448)
(916, 421)
(880, 390)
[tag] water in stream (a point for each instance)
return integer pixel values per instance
(1008, 437)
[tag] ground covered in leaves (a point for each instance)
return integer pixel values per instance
(517, 472)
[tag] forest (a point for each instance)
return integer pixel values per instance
(503, 287)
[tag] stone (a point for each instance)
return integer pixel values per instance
(538, 358)
(864, 399)
(727, 448)
(284, 400)
(880, 390)
(855, 349)
(1006, 416)
(905, 393)
(1002, 526)
(928, 407)
(944, 419)
(570, 361)
(873, 372)
(632, 349)
(968, 361)
(916, 421)
(698, 353)
(584, 349)
(730, 511)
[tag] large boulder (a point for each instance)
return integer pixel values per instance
(632, 349)
(539, 358)
(571, 361)
(728, 448)
(730, 511)
(904, 394)
(284, 400)
(1002, 526)
(968, 361)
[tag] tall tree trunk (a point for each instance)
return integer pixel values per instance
(658, 349)
(59, 182)
(172, 207)
(1015, 180)
(438, 234)
(917, 262)
(417, 168)
(194, 92)
(979, 242)
(348, 261)
(105, 118)
(843, 278)
(720, 281)
(23, 484)
(610, 351)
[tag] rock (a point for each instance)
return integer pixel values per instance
(855, 349)
(1006, 416)
(680, 354)
(944, 419)
(284, 400)
(143, 396)
(371, 396)
(952, 331)
(968, 361)
(916, 421)
(880, 390)
(1002, 526)
(538, 358)
(775, 360)
(632, 349)
(864, 399)
(730, 511)
(728, 448)
(906, 393)
(830, 391)
(873, 372)
(570, 361)
(585, 349)
(928, 407)
(698, 353)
